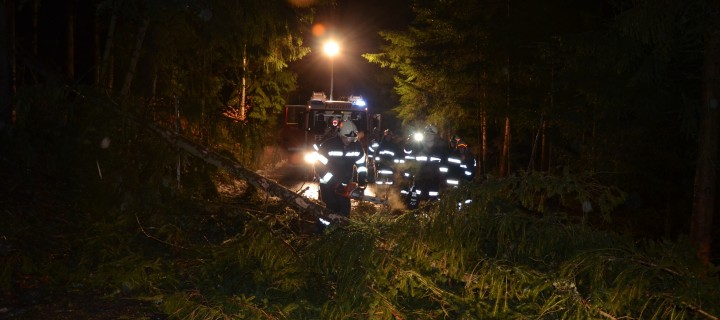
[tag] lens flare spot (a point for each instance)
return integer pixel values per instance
(318, 29)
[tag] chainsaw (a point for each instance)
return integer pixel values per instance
(358, 193)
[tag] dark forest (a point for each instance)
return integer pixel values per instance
(140, 145)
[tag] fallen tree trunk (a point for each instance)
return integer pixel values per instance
(273, 188)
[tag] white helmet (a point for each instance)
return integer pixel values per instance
(348, 130)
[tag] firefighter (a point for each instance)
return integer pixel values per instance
(337, 160)
(468, 162)
(428, 176)
(411, 146)
(455, 162)
(461, 165)
(387, 156)
(371, 149)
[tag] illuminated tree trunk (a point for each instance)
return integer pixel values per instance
(701, 222)
(243, 96)
(504, 158)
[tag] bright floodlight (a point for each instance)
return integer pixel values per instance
(331, 48)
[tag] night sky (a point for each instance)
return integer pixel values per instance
(355, 25)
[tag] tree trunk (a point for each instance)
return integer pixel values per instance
(701, 221)
(544, 149)
(135, 57)
(70, 41)
(111, 73)
(504, 161)
(298, 202)
(97, 55)
(481, 169)
(5, 63)
(243, 96)
(35, 24)
(536, 142)
(106, 63)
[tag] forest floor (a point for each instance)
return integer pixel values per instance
(32, 305)
(32, 298)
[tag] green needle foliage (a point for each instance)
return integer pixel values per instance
(523, 249)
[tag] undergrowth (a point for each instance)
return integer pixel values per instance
(120, 219)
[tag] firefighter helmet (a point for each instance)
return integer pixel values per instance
(348, 130)
(454, 141)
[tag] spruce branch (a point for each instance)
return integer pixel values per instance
(694, 308)
(588, 306)
(644, 263)
(276, 236)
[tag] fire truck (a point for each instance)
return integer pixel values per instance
(316, 121)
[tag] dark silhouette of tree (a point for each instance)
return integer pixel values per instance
(6, 52)
(705, 188)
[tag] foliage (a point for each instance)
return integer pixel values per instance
(515, 252)
(603, 87)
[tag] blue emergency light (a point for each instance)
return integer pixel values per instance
(357, 101)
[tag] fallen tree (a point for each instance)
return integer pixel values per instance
(236, 169)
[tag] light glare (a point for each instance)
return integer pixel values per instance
(331, 48)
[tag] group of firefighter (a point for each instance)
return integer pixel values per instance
(422, 165)
(419, 166)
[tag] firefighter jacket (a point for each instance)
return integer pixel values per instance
(388, 155)
(336, 162)
(387, 152)
(469, 166)
(454, 163)
(433, 151)
(372, 148)
(429, 158)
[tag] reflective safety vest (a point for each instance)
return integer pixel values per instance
(336, 161)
